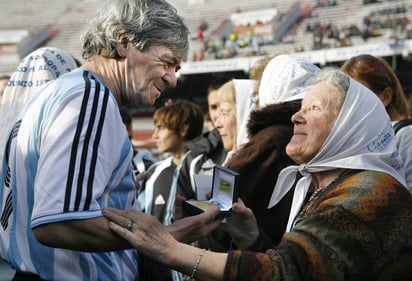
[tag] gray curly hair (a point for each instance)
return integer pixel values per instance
(141, 22)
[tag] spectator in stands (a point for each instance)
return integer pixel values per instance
(200, 35)
(69, 155)
(4, 79)
(141, 161)
(376, 74)
(175, 124)
(357, 224)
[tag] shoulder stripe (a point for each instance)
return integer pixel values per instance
(83, 171)
(85, 150)
(75, 145)
(93, 162)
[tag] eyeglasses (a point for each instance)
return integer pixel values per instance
(375, 63)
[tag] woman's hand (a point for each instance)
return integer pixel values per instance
(144, 232)
(242, 225)
(148, 235)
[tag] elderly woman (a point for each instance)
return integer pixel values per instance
(235, 99)
(283, 84)
(357, 224)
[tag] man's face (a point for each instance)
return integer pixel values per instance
(147, 74)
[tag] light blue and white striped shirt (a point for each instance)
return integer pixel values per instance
(67, 157)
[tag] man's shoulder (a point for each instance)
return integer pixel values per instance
(70, 81)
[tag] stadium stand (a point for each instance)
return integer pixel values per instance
(322, 31)
(339, 24)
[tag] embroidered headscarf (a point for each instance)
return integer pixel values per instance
(285, 78)
(33, 72)
(244, 89)
(361, 138)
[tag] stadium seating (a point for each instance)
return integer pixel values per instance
(63, 21)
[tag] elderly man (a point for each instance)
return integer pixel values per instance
(69, 154)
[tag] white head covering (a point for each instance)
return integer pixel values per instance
(361, 138)
(285, 78)
(35, 70)
(244, 89)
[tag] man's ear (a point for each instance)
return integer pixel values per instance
(122, 46)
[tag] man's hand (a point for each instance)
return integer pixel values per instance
(187, 228)
(142, 231)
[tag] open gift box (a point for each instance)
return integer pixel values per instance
(224, 193)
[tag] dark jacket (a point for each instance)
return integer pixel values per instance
(259, 163)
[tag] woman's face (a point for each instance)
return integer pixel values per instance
(226, 124)
(313, 123)
(167, 140)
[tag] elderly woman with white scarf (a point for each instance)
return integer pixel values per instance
(357, 224)
(284, 82)
(235, 99)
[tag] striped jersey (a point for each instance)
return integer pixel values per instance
(66, 158)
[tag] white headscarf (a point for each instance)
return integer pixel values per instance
(244, 89)
(34, 71)
(361, 138)
(285, 78)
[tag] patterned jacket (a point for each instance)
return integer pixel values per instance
(358, 228)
